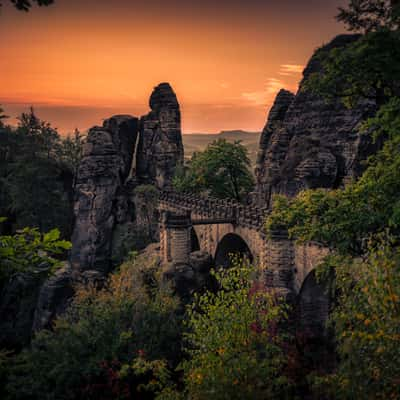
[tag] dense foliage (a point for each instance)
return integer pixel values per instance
(367, 325)
(361, 222)
(29, 251)
(370, 15)
(222, 170)
(235, 351)
(37, 169)
(368, 68)
(115, 342)
(25, 5)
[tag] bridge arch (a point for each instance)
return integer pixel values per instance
(194, 240)
(313, 305)
(231, 245)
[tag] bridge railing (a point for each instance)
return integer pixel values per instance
(209, 207)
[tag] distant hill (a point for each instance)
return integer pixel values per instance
(199, 141)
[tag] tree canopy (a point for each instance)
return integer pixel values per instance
(370, 15)
(26, 5)
(222, 170)
(37, 169)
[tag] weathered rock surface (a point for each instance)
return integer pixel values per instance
(105, 165)
(53, 297)
(194, 276)
(160, 147)
(308, 142)
(119, 156)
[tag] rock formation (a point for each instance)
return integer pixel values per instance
(309, 142)
(118, 157)
(106, 163)
(160, 145)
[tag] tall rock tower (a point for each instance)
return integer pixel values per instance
(160, 147)
(309, 142)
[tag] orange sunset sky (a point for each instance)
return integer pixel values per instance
(80, 61)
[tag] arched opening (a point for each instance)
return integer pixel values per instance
(231, 245)
(194, 241)
(313, 306)
(314, 339)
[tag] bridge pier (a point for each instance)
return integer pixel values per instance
(175, 240)
(280, 260)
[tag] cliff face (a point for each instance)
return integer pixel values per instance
(308, 142)
(104, 167)
(118, 156)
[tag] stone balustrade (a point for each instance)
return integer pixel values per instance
(249, 216)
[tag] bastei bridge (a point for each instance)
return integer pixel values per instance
(221, 227)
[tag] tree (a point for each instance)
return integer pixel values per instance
(29, 251)
(370, 15)
(368, 68)
(112, 343)
(35, 184)
(69, 151)
(25, 5)
(2, 117)
(367, 325)
(222, 170)
(235, 351)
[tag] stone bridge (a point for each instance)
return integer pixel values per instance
(222, 227)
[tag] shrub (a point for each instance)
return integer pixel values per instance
(118, 341)
(233, 344)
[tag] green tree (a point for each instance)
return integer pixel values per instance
(69, 151)
(26, 5)
(112, 343)
(29, 251)
(36, 184)
(222, 170)
(234, 349)
(370, 15)
(367, 68)
(367, 325)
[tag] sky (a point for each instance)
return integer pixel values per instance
(80, 61)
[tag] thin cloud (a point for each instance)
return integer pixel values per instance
(265, 96)
(290, 69)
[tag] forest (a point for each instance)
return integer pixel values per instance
(132, 335)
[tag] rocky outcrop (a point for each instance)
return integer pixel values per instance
(160, 147)
(52, 296)
(119, 156)
(106, 163)
(309, 142)
(270, 148)
(194, 276)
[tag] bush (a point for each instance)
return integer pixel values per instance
(118, 341)
(234, 345)
(367, 323)
(29, 251)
